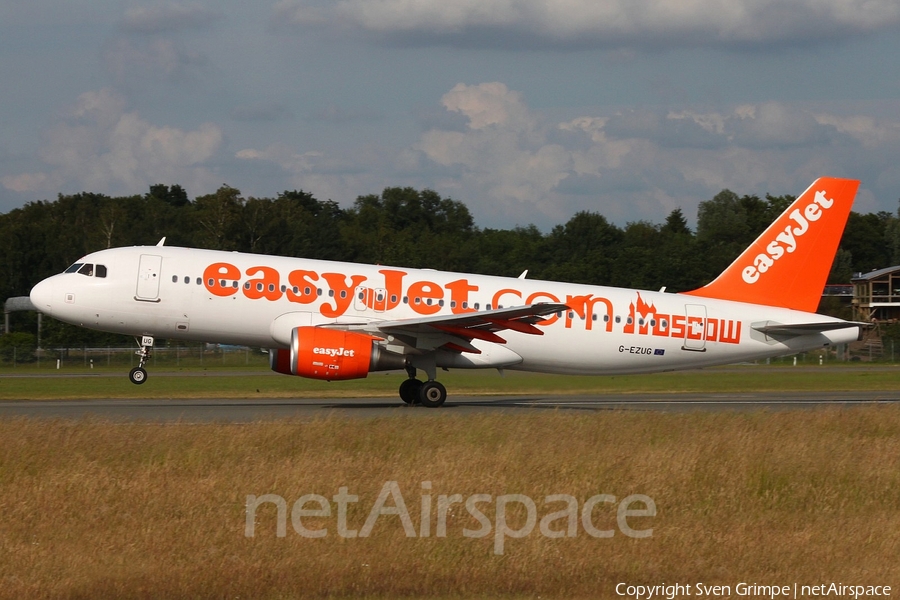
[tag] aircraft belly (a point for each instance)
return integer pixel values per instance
(232, 321)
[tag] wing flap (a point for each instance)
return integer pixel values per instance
(428, 333)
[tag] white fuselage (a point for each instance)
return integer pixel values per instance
(255, 300)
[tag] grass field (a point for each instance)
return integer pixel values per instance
(238, 382)
(140, 510)
(93, 509)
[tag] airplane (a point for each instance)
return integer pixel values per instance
(337, 320)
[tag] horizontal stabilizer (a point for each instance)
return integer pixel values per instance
(795, 329)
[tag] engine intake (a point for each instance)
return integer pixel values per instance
(329, 354)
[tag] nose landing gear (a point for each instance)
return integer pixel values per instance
(138, 375)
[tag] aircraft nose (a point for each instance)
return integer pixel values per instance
(42, 295)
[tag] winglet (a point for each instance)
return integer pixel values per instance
(788, 264)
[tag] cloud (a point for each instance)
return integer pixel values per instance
(262, 112)
(598, 23)
(642, 164)
(168, 18)
(103, 147)
(341, 177)
(135, 62)
(337, 115)
(153, 44)
(511, 164)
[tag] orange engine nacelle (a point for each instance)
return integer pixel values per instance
(329, 354)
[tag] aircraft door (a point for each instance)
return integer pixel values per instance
(368, 298)
(694, 327)
(148, 278)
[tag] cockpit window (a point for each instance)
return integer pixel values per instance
(100, 271)
(74, 268)
(87, 269)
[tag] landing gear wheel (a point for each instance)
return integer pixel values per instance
(432, 394)
(138, 375)
(409, 391)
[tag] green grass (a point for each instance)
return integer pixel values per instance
(249, 382)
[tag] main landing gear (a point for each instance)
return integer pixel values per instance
(138, 375)
(430, 394)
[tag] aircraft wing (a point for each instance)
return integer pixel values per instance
(772, 329)
(455, 332)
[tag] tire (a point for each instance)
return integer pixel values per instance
(138, 375)
(409, 391)
(432, 394)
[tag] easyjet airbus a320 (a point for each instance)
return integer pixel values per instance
(333, 320)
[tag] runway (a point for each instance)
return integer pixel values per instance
(246, 411)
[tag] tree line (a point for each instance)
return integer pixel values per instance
(412, 228)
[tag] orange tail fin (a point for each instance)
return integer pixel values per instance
(788, 264)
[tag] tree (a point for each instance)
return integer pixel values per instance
(218, 218)
(584, 250)
(406, 227)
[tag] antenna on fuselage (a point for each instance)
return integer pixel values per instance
(162, 242)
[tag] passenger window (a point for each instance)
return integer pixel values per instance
(87, 269)
(74, 268)
(187, 279)
(174, 278)
(101, 271)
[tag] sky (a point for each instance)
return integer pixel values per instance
(527, 111)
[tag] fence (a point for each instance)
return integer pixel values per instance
(173, 357)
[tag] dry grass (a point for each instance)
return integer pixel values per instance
(93, 510)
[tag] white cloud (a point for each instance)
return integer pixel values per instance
(364, 170)
(510, 164)
(168, 18)
(641, 164)
(136, 62)
(103, 147)
(599, 23)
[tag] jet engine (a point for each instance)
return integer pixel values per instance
(330, 354)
